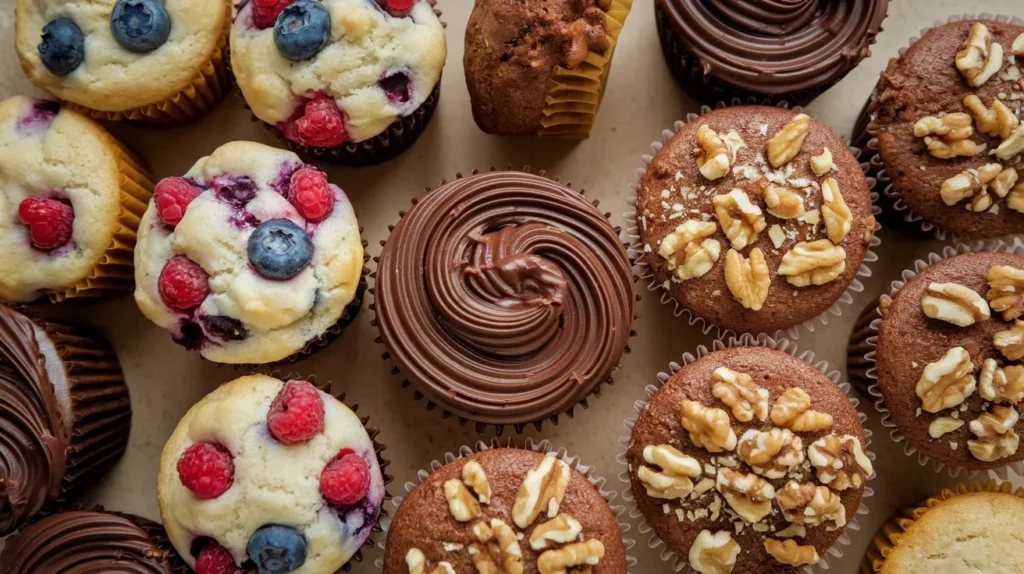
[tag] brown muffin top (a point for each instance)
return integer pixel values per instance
(777, 439)
(687, 241)
(463, 514)
(925, 82)
(971, 375)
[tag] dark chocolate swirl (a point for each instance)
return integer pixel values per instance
(86, 542)
(777, 46)
(505, 297)
(33, 443)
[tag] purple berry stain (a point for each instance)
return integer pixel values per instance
(397, 86)
(224, 328)
(282, 182)
(236, 191)
(39, 118)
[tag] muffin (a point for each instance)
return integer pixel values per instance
(504, 297)
(80, 541)
(754, 218)
(268, 474)
(539, 67)
(70, 202)
(505, 510)
(770, 51)
(159, 62)
(973, 527)
(64, 414)
(250, 258)
(943, 125)
(748, 460)
(947, 360)
(353, 81)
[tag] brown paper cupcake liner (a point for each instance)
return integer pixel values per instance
(889, 534)
(544, 447)
(499, 428)
(681, 563)
(864, 342)
(644, 274)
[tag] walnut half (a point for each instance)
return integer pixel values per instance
(541, 491)
(785, 144)
(747, 279)
(714, 553)
(749, 495)
(717, 152)
(808, 504)
(417, 563)
(577, 554)
(996, 437)
(673, 481)
(561, 529)
(947, 382)
(813, 263)
(1011, 341)
(790, 553)
(947, 136)
(498, 551)
(708, 427)
(740, 219)
(1006, 291)
(995, 121)
(954, 303)
(1001, 384)
(741, 393)
(837, 215)
(771, 453)
(689, 251)
(840, 461)
(793, 410)
(979, 58)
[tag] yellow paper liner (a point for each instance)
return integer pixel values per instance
(572, 102)
(888, 537)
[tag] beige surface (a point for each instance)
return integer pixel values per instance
(641, 100)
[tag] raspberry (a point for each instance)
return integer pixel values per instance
(265, 12)
(49, 221)
(321, 125)
(397, 8)
(310, 194)
(215, 559)
(206, 469)
(172, 196)
(183, 283)
(345, 480)
(297, 413)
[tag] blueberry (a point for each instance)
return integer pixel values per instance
(302, 30)
(279, 249)
(140, 25)
(63, 47)
(397, 86)
(225, 328)
(276, 549)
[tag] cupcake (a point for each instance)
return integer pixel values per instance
(748, 460)
(943, 123)
(972, 527)
(505, 510)
(270, 475)
(540, 68)
(753, 218)
(771, 51)
(71, 199)
(947, 360)
(90, 541)
(159, 62)
(352, 81)
(505, 298)
(251, 258)
(64, 414)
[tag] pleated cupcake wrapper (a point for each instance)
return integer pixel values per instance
(643, 272)
(864, 342)
(892, 531)
(894, 211)
(681, 563)
(498, 428)
(543, 447)
(571, 103)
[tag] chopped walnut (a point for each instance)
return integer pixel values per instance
(790, 553)
(717, 152)
(969, 183)
(1012, 145)
(498, 551)
(979, 58)
(837, 215)
(783, 202)
(461, 503)
(954, 303)
(840, 462)
(688, 251)
(998, 120)
(741, 393)
(714, 553)
(1011, 341)
(561, 529)
(747, 279)
(749, 495)
(947, 382)
(417, 563)
(740, 219)
(813, 263)
(1018, 45)
(822, 164)
(1015, 200)
(541, 491)
(708, 427)
(577, 554)
(771, 453)
(943, 425)
(793, 411)
(474, 477)
(810, 505)
(674, 479)
(996, 437)
(999, 384)
(784, 145)
(947, 136)
(1006, 291)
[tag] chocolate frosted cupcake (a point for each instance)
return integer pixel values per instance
(774, 50)
(504, 297)
(64, 414)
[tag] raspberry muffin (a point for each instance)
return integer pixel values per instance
(354, 81)
(160, 62)
(269, 475)
(70, 202)
(251, 257)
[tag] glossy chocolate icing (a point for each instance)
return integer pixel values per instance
(776, 46)
(505, 297)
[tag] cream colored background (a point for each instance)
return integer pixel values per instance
(641, 100)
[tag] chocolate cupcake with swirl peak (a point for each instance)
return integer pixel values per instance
(773, 50)
(505, 298)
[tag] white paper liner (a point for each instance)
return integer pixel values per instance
(543, 446)
(681, 564)
(644, 273)
(1016, 246)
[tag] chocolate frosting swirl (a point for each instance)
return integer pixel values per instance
(85, 542)
(777, 46)
(33, 443)
(505, 297)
